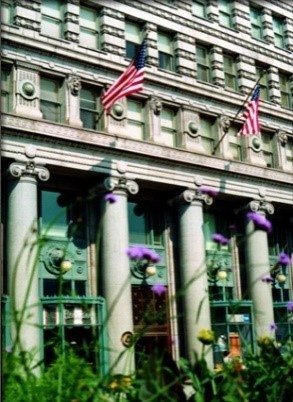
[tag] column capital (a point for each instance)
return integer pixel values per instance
(121, 184)
(29, 168)
(191, 196)
(261, 206)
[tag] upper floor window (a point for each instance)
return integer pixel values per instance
(166, 51)
(89, 107)
(268, 150)
(135, 119)
(5, 88)
(263, 83)
(168, 126)
(289, 156)
(89, 27)
(225, 18)
(256, 23)
(52, 18)
(207, 133)
(133, 38)
(278, 27)
(235, 143)
(199, 8)
(286, 98)
(50, 98)
(203, 63)
(230, 72)
(6, 12)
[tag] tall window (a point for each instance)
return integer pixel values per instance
(278, 27)
(5, 88)
(199, 8)
(289, 154)
(51, 99)
(133, 38)
(168, 126)
(62, 224)
(89, 109)
(203, 63)
(89, 27)
(268, 151)
(135, 119)
(6, 12)
(52, 18)
(263, 83)
(166, 51)
(256, 24)
(235, 143)
(230, 72)
(207, 133)
(225, 18)
(150, 311)
(286, 98)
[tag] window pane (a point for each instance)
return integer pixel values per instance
(278, 26)
(137, 224)
(135, 119)
(52, 16)
(6, 14)
(88, 107)
(50, 102)
(165, 61)
(53, 215)
(5, 88)
(131, 50)
(51, 27)
(89, 34)
(168, 129)
(199, 8)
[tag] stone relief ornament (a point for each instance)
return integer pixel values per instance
(156, 105)
(74, 84)
(282, 137)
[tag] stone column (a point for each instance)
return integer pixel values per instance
(116, 276)
(196, 306)
(258, 266)
(22, 247)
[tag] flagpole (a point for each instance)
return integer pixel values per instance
(100, 116)
(239, 110)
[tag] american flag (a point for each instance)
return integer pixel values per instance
(130, 82)
(251, 125)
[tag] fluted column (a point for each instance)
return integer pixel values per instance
(116, 275)
(22, 249)
(258, 267)
(193, 271)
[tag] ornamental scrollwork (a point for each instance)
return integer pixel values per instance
(18, 169)
(261, 206)
(121, 184)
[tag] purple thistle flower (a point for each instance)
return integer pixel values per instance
(135, 252)
(151, 255)
(273, 327)
(142, 253)
(267, 279)
(159, 289)
(220, 239)
(290, 305)
(209, 191)
(284, 259)
(112, 198)
(260, 222)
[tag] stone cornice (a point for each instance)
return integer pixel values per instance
(181, 161)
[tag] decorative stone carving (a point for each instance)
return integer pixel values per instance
(121, 184)
(191, 195)
(261, 206)
(282, 137)
(156, 105)
(18, 169)
(225, 123)
(74, 84)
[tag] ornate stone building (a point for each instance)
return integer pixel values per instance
(171, 157)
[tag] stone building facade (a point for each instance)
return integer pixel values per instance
(170, 155)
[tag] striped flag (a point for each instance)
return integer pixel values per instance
(130, 82)
(251, 125)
